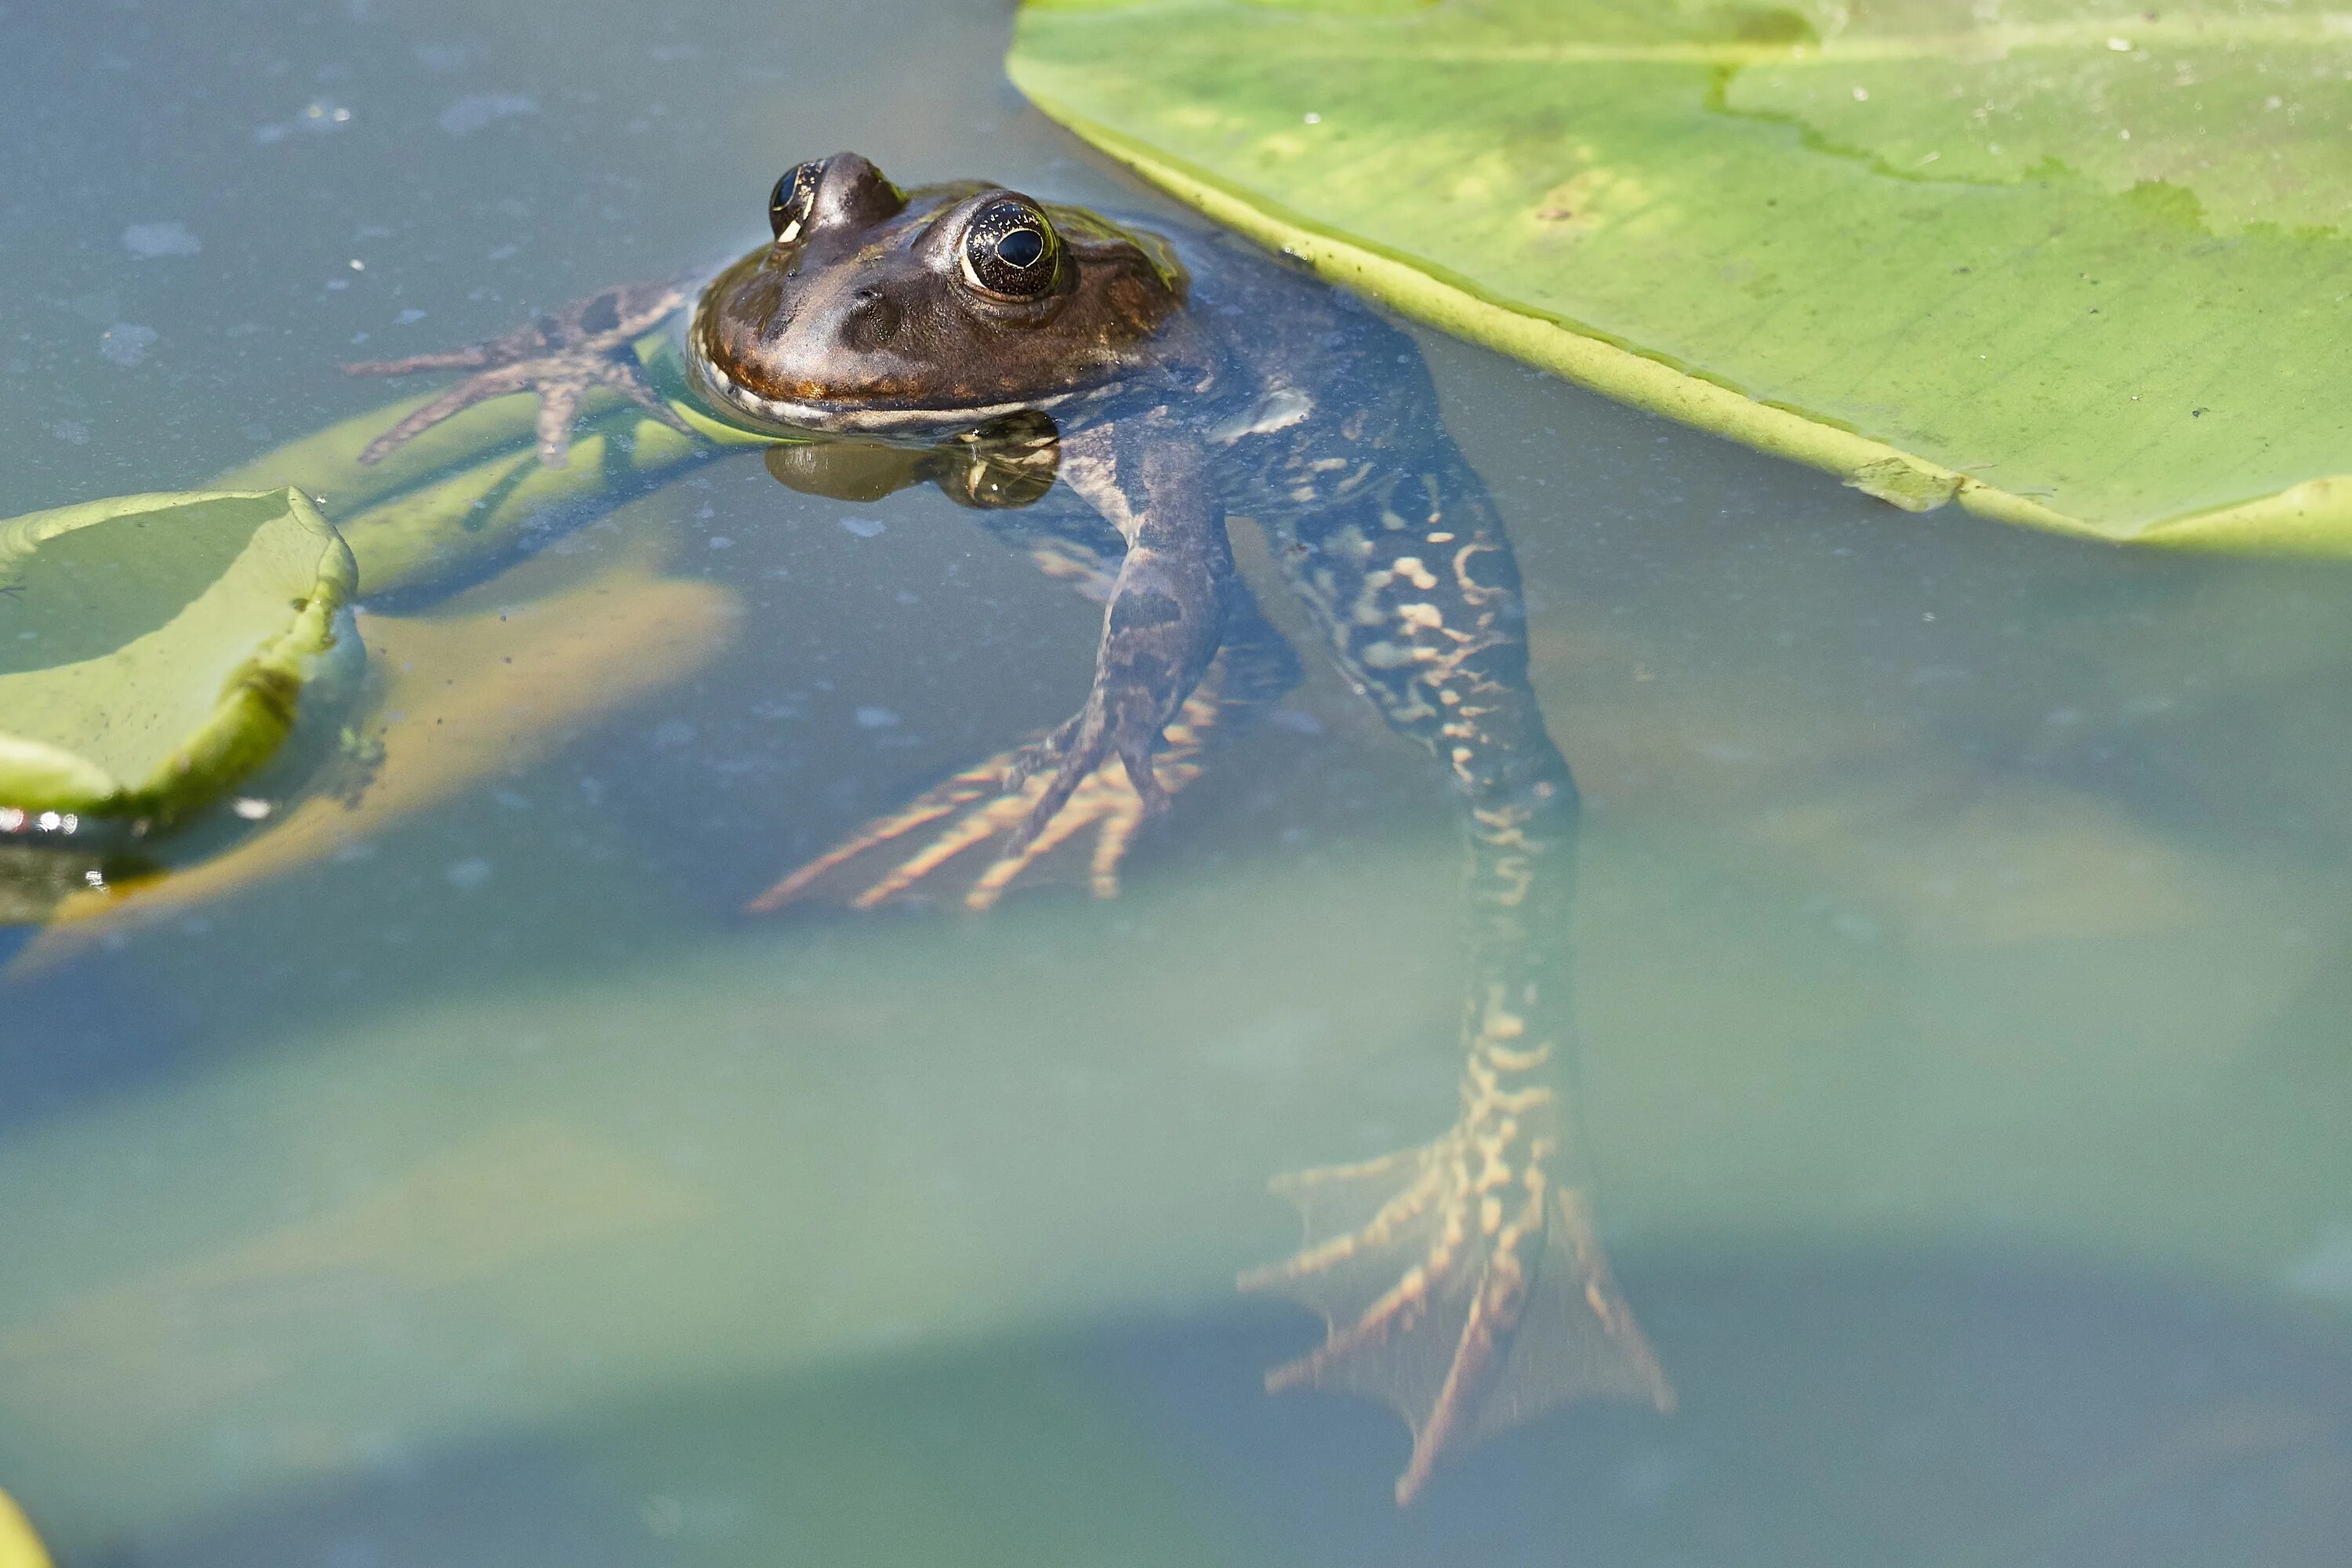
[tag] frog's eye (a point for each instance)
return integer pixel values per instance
(1010, 250)
(788, 204)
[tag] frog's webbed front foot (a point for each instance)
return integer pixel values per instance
(1462, 1286)
(1018, 804)
(1163, 670)
(561, 356)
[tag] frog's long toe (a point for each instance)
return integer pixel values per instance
(1467, 1291)
(561, 356)
(998, 804)
(1051, 776)
(474, 389)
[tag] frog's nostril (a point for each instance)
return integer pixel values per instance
(871, 321)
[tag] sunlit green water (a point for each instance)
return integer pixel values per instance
(1961, 935)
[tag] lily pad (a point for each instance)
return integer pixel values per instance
(19, 1547)
(2076, 266)
(154, 649)
(464, 696)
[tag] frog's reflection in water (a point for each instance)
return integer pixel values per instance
(1462, 1280)
(1004, 464)
(40, 868)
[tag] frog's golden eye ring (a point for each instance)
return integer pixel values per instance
(1010, 250)
(789, 203)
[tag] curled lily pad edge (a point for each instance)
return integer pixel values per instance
(250, 719)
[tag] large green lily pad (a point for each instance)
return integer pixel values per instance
(2080, 266)
(153, 647)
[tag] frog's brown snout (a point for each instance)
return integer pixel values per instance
(871, 321)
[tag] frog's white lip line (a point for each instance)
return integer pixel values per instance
(859, 418)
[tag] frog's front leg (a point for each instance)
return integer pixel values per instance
(1183, 643)
(1164, 623)
(561, 356)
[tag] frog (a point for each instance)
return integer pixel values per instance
(1111, 400)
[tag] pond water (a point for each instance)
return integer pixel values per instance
(1961, 940)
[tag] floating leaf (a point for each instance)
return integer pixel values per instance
(466, 698)
(153, 648)
(442, 508)
(2079, 267)
(19, 1547)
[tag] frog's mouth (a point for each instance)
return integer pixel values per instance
(856, 417)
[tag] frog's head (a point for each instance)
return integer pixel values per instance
(879, 309)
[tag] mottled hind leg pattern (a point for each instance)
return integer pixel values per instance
(1461, 1282)
(561, 356)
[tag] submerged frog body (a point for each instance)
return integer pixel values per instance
(1021, 353)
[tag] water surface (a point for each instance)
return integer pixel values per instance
(1961, 936)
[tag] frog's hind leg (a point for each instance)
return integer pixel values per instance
(1461, 1282)
(996, 824)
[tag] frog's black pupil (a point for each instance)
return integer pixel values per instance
(1008, 251)
(1022, 247)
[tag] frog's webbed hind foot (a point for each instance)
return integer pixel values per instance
(561, 356)
(1022, 807)
(1462, 1287)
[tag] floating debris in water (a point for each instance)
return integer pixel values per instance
(149, 240)
(126, 343)
(468, 115)
(319, 116)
